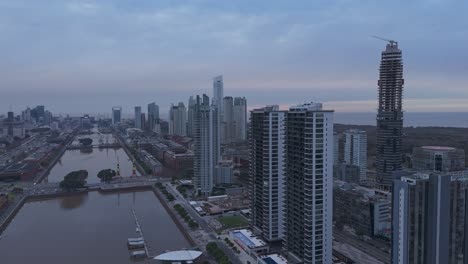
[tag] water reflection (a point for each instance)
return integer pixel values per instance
(72, 202)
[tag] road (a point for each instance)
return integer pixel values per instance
(362, 246)
(203, 224)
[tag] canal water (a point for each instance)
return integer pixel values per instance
(87, 228)
(93, 160)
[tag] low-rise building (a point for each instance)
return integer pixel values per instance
(271, 259)
(250, 243)
(224, 172)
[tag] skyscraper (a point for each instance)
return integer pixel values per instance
(240, 119)
(227, 135)
(355, 151)
(389, 116)
(116, 115)
(429, 218)
(178, 120)
(218, 92)
(138, 117)
(309, 184)
(206, 145)
(190, 116)
(267, 176)
(153, 117)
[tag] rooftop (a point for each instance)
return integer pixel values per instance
(438, 148)
(248, 238)
(273, 259)
(180, 255)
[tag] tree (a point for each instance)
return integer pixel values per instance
(106, 175)
(74, 180)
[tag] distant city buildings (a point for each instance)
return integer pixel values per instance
(153, 118)
(178, 120)
(240, 119)
(138, 117)
(438, 158)
(429, 222)
(390, 116)
(116, 115)
(190, 116)
(228, 120)
(309, 184)
(355, 151)
(206, 144)
(267, 175)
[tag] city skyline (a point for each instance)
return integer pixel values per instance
(83, 58)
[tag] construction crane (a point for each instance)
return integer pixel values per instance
(392, 42)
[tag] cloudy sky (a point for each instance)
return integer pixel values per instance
(86, 56)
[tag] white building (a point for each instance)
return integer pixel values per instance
(178, 120)
(309, 184)
(206, 145)
(224, 172)
(267, 149)
(355, 151)
(138, 117)
(240, 119)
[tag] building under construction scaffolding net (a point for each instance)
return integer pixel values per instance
(389, 116)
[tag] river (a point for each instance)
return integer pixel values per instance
(87, 228)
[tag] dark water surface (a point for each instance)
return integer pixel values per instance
(87, 228)
(93, 162)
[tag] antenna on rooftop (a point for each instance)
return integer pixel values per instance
(392, 42)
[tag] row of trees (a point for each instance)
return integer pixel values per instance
(217, 253)
(77, 179)
(163, 189)
(183, 213)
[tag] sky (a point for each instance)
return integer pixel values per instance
(85, 56)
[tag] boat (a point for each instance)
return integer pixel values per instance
(139, 254)
(136, 244)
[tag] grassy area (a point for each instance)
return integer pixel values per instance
(233, 221)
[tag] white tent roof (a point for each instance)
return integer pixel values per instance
(180, 255)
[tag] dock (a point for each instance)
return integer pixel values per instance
(138, 243)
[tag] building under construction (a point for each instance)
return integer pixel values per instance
(389, 116)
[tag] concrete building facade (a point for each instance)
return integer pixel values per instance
(206, 145)
(429, 218)
(267, 175)
(309, 184)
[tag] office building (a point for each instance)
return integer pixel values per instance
(190, 116)
(138, 117)
(336, 148)
(355, 151)
(429, 218)
(116, 115)
(227, 135)
(240, 119)
(143, 121)
(438, 158)
(218, 93)
(309, 184)
(178, 120)
(267, 175)
(206, 144)
(389, 116)
(153, 117)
